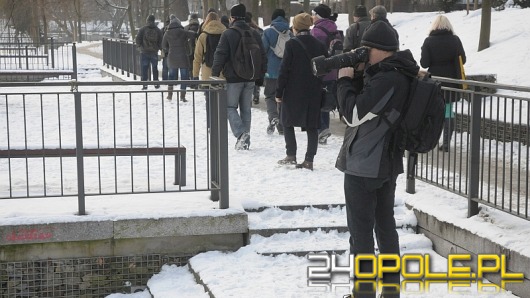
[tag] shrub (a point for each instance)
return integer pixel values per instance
(447, 5)
(522, 3)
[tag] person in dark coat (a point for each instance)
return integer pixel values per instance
(238, 90)
(149, 49)
(174, 42)
(372, 103)
(439, 54)
(299, 91)
(193, 25)
(354, 33)
(378, 13)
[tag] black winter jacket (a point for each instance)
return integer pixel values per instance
(439, 54)
(373, 109)
(225, 52)
(300, 90)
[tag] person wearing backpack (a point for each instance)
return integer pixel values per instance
(204, 53)
(299, 91)
(193, 25)
(354, 33)
(165, 69)
(372, 103)
(149, 41)
(325, 30)
(439, 54)
(175, 42)
(242, 59)
(274, 39)
(253, 25)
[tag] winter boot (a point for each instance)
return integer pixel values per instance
(169, 92)
(288, 160)
(183, 96)
(305, 165)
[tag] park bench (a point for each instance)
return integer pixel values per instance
(179, 152)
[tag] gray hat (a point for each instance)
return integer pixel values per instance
(378, 12)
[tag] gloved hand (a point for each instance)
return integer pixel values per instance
(361, 54)
(259, 82)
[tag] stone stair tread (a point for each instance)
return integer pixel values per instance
(298, 241)
(313, 218)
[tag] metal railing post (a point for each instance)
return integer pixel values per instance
(474, 156)
(52, 52)
(214, 145)
(74, 61)
(79, 153)
(412, 159)
(224, 201)
(27, 57)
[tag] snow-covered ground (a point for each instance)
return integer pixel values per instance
(256, 180)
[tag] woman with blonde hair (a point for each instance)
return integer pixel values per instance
(440, 55)
(204, 50)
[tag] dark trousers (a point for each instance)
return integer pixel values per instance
(369, 208)
(290, 142)
(273, 108)
(149, 60)
(449, 128)
(165, 69)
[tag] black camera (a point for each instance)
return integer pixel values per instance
(322, 65)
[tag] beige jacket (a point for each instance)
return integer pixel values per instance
(213, 27)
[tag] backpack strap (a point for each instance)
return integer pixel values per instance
(329, 34)
(303, 46)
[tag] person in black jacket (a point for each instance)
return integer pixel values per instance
(439, 54)
(299, 92)
(369, 157)
(149, 41)
(239, 90)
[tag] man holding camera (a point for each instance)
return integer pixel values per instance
(370, 157)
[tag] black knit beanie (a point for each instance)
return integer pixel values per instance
(238, 11)
(278, 12)
(381, 36)
(323, 11)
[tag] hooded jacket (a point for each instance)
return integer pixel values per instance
(174, 42)
(140, 37)
(373, 108)
(269, 39)
(213, 27)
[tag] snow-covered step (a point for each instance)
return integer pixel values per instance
(276, 220)
(301, 243)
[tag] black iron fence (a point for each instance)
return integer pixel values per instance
(487, 157)
(20, 61)
(61, 140)
(122, 56)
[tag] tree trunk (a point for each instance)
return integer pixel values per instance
(183, 12)
(267, 7)
(485, 26)
(306, 6)
(131, 19)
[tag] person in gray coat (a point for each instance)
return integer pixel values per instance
(354, 33)
(175, 43)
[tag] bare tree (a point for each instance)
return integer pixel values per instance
(485, 26)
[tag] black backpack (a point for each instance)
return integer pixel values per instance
(423, 116)
(247, 57)
(212, 40)
(150, 40)
(334, 42)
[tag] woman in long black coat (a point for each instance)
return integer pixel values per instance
(299, 91)
(439, 54)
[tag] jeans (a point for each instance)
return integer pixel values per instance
(369, 207)
(165, 69)
(239, 95)
(290, 142)
(146, 61)
(273, 108)
(184, 75)
(324, 121)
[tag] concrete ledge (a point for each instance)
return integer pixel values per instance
(180, 235)
(450, 239)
